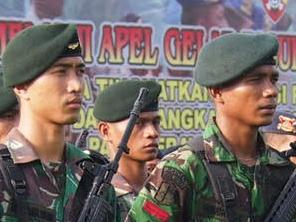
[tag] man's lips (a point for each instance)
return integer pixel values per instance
(75, 103)
(268, 106)
(268, 109)
(151, 145)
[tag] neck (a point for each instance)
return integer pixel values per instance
(47, 138)
(133, 171)
(242, 138)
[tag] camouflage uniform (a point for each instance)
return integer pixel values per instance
(50, 187)
(179, 188)
(125, 194)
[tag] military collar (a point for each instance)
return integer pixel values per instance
(22, 150)
(121, 186)
(217, 149)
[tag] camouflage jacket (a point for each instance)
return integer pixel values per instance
(125, 194)
(50, 187)
(179, 188)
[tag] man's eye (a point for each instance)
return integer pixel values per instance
(254, 79)
(274, 80)
(81, 71)
(156, 122)
(140, 122)
(59, 71)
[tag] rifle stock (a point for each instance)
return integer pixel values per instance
(96, 208)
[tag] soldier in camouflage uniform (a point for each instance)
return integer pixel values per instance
(143, 142)
(9, 111)
(39, 176)
(228, 174)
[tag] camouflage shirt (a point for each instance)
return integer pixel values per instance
(125, 194)
(179, 188)
(50, 187)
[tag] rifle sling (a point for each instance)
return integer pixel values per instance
(15, 178)
(223, 185)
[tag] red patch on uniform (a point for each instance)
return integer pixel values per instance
(156, 211)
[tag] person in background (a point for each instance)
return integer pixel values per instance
(207, 13)
(244, 15)
(112, 110)
(39, 10)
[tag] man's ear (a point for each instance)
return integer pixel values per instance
(103, 129)
(21, 91)
(216, 94)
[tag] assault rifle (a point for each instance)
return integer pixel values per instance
(96, 208)
(284, 208)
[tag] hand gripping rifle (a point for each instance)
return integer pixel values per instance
(284, 208)
(96, 208)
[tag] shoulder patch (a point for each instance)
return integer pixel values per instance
(175, 177)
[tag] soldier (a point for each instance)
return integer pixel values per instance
(9, 111)
(281, 133)
(228, 174)
(112, 109)
(44, 67)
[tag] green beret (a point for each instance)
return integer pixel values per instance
(7, 97)
(35, 49)
(233, 55)
(116, 102)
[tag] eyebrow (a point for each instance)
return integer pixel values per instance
(148, 118)
(274, 73)
(68, 65)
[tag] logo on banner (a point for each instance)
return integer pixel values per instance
(275, 9)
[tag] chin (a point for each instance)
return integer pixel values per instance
(265, 122)
(71, 120)
(149, 157)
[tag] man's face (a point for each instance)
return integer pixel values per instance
(55, 96)
(252, 100)
(143, 142)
